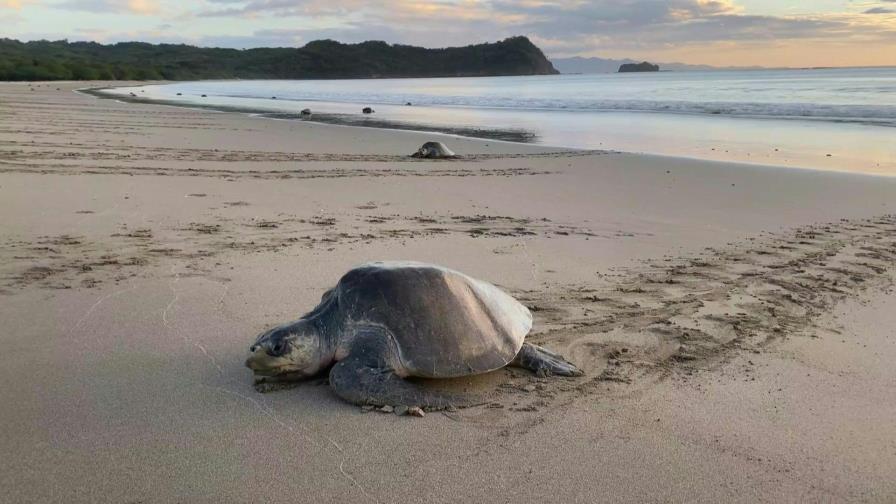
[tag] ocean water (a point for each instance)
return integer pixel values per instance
(840, 119)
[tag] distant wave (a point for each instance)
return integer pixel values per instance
(865, 96)
(884, 115)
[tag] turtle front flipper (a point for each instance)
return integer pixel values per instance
(543, 362)
(367, 377)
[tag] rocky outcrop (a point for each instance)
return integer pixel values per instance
(639, 67)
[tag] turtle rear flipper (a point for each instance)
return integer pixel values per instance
(543, 362)
(366, 377)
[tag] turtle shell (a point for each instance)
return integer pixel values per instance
(444, 323)
(434, 150)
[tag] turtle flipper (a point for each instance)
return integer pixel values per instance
(366, 377)
(543, 362)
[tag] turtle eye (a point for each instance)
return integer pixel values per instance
(278, 348)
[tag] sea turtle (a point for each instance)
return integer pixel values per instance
(367, 110)
(387, 321)
(434, 150)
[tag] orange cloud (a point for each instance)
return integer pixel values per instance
(15, 4)
(143, 7)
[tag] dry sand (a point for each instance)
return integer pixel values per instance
(736, 322)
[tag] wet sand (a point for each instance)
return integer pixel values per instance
(735, 322)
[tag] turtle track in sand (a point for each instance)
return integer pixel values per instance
(677, 317)
(50, 157)
(74, 261)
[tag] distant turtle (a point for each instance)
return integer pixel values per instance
(306, 112)
(367, 110)
(434, 150)
(386, 321)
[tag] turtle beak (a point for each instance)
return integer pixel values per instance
(258, 354)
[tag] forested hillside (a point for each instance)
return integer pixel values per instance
(322, 59)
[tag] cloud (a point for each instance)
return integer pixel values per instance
(282, 8)
(10, 18)
(15, 4)
(646, 23)
(570, 26)
(614, 28)
(143, 7)
(259, 38)
(136, 7)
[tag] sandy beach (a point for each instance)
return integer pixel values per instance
(737, 323)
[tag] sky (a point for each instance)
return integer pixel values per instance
(716, 32)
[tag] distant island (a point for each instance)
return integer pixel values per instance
(591, 65)
(321, 59)
(638, 67)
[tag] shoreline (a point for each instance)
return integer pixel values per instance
(733, 320)
(742, 153)
(545, 149)
(332, 119)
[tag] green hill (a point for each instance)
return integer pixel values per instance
(321, 59)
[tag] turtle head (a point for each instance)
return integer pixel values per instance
(286, 353)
